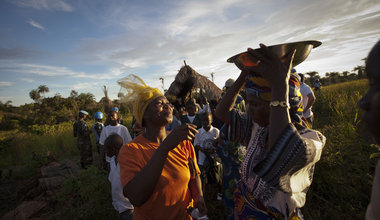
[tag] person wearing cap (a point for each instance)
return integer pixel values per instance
(113, 127)
(113, 109)
(97, 128)
(158, 170)
(82, 132)
(278, 167)
(239, 103)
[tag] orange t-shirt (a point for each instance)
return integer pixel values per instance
(171, 196)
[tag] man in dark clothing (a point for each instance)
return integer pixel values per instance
(82, 132)
(192, 115)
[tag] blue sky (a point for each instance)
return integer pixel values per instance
(84, 44)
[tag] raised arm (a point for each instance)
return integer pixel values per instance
(277, 73)
(225, 106)
(141, 187)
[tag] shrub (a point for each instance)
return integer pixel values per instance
(86, 195)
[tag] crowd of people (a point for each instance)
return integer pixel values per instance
(255, 143)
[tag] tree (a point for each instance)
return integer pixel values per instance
(73, 94)
(344, 76)
(43, 89)
(312, 74)
(333, 76)
(35, 95)
(360, 70)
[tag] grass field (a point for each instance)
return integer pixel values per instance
(343, 178)
(340, 190)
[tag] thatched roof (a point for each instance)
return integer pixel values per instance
(187, 80)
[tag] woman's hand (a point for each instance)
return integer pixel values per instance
(271, 67)
(179, 134)
(201, 205)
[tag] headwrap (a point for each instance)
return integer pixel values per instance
(260, 87)
(138, 93)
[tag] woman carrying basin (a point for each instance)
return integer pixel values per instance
(278, 167)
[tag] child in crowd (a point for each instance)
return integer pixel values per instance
(205, 141)
(113, 127)
(112, 144)
(192, 114)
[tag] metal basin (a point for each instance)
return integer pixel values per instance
(303, 49)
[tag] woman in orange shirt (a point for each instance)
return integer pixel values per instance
(157, 170)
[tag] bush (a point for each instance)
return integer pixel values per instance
(87, 195)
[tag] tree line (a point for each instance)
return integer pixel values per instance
(336, 77)
(53, 110)
(57, 109)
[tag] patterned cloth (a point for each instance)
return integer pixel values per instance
(280, 177)
(247, 207)
(258, 86)
(232, 153)
(254, 209)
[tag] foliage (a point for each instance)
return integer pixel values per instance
(35, 95)
(87, 195)
(343, 178)
(336, 77)
(340, 190)
(22, 149)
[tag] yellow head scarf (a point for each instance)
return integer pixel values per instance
(139, 94)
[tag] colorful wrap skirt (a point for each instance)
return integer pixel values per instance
(247, 207)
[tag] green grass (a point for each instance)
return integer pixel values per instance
(343, 177)
(25, 149)
(340, 190)
(86, 195)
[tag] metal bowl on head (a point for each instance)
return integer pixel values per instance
(303, 49)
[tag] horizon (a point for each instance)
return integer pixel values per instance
(83, 45)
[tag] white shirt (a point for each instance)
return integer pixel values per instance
(118, 129)
(305, 91)
(191, 118)
(206, 108)
(119, 201)
(205, 139)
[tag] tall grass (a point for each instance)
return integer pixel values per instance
(343, 178)
(340, 190)
(25, 152)
(87, 195)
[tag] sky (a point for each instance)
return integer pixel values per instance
(82, 45)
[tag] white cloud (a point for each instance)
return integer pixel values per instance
(6, 97)
(54, 71)
(36, 25)
(205, 34)
(152, 41)
(51, 5)
(85, 85)
(27, 80)
(6, 83)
